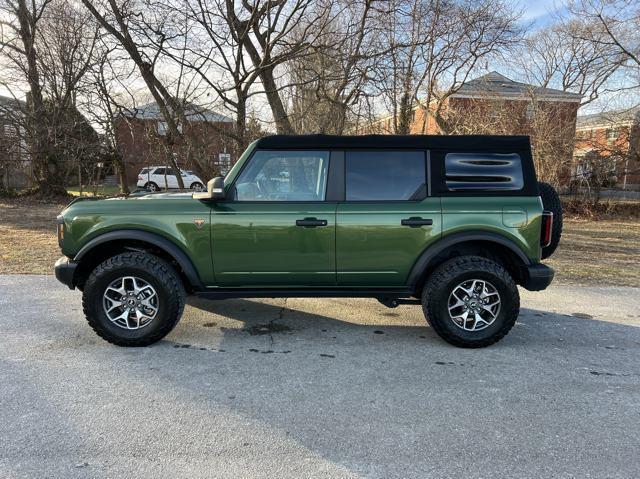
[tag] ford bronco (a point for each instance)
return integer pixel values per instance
(451, 223)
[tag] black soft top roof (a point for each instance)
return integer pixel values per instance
(447, 142)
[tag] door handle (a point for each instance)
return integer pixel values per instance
(311, 222)
(416, 222)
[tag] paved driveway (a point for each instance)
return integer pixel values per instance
(320, 388)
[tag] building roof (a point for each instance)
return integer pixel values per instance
(193, 112)
(460, 142)
(494, 84)
(626, 116)
(8, 102)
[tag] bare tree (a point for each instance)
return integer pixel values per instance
(49, 48)
(435, 46)
(327, 84)
(562, 56)
(106, 92)
(121, 21)
(264, 29)
(611, 24)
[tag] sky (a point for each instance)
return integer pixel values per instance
(541, 12)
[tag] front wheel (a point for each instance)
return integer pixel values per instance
(133, 299)
(471, 302)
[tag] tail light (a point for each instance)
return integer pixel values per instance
(140, 177)
(547, 228)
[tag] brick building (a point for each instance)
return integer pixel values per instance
(609, 143)
(141, 139)
(495, 104)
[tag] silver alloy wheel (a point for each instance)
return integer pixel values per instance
(152, 187)
(474, 305)
(130, 302)
(197, 187)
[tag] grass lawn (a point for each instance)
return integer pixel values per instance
(596, 252)
(102, 190)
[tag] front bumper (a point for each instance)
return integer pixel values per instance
(65, 270)
(537, 277)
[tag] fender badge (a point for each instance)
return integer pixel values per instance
(199, 222)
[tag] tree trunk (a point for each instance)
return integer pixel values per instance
(283, 124)
(121, 170)
(44, 161)
(241, 122)
(404, 115)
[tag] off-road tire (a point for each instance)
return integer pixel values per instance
(551, 202)
(155, 271)
(438, 288)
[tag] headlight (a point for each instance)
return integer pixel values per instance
(60, 229)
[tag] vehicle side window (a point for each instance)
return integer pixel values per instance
(483, 172)
(159, 171)
(385, 176)
(144, 171)
(284, 176)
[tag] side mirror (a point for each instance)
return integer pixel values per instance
(215, 190)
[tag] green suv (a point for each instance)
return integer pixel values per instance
(452, 223)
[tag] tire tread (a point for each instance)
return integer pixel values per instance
(454, 267)
(155, 266)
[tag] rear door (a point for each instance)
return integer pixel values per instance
(388, 217)
(278, 230)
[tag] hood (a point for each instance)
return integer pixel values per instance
(144, 203)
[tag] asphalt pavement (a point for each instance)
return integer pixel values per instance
(320, 388)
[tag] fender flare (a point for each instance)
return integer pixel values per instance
(161, 242)
(440, 245)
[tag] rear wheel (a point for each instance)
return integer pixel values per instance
(471, 302)
(151, 186)
(133, 299)
(197, 186)
(551, 202)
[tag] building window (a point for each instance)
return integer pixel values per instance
(530, 112)
(9, 131)
(612, 134)
(162, 128)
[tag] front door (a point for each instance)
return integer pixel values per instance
(387, 219)
(277, 229)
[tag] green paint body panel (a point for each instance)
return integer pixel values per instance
(170, 215)
(374, 249)
(258, 244)
(363, 244)
(517, 218)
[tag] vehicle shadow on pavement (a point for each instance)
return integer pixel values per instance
(285, 318)
(237, 320)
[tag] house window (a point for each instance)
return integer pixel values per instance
(9, 131)
(530, 112)
(612, 134)
(161, 128)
